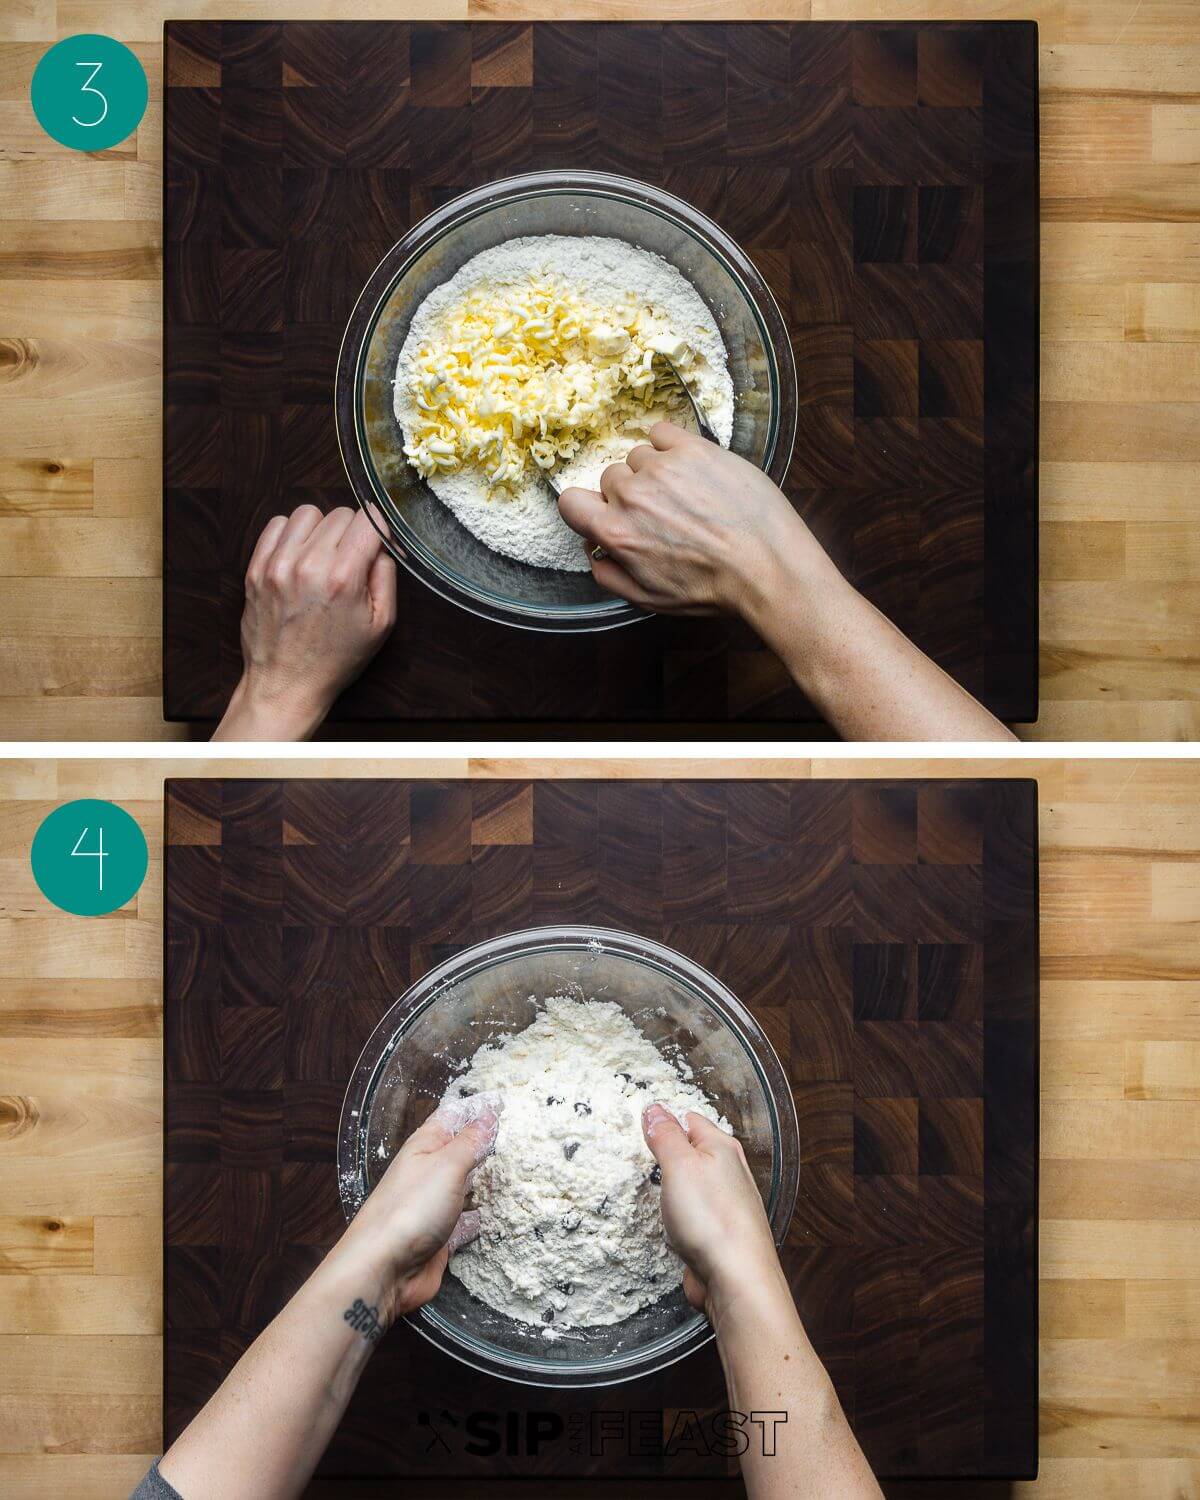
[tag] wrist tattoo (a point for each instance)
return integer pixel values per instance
(364, 1320)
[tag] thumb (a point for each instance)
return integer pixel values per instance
(473, 1124)
(664, 1135)
(584, 511)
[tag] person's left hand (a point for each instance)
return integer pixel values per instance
(413, 1221)
(320, 601)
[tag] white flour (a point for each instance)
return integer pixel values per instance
(571, 1232)
(524, 522)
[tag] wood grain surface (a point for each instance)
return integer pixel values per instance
(81, 1138)
(882, 178)
(80, 282)
(883, 934)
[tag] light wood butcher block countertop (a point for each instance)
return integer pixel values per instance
(80, 276)
(81, 1127)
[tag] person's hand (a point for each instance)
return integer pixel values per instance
(690, 528)
(413, 1221)
(320, 601)
(712, 1212)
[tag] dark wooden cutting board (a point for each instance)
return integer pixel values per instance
(883, 178)
(883, 933)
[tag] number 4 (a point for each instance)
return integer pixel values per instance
(96, 854)
(88, 89)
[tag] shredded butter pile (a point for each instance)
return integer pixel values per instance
(533, 373)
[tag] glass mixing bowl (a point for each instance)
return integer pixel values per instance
(420, 532)
(492, 989)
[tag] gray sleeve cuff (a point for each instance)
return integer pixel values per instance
(155, 1487)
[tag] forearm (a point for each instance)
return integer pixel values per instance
(770, 1366)
(263, 1433)
(864, 676)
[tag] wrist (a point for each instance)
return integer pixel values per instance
(261, 709)
(746, 1297)
(356, 1267)
(381, 1245)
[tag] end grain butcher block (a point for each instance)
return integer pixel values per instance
(884, 935)
(884, 180)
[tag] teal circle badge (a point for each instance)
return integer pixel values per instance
(89, 92)
(89, 857)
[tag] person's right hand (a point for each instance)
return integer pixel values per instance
(711, 1207)
(690, 528)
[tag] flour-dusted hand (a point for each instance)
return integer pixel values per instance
(711, 1208)
(320, 601)
(414, 1221)
(690, 528)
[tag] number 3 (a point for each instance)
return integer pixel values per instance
(88, 89)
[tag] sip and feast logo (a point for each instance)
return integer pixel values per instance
(599, 1434)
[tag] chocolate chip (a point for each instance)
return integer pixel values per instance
(570, 1149)
(603, 1209)
(548, 1315)
(656, 1174)
(581, 1108)
(537, 1233)
(628, 1077)
(553, 1099)
(565, 1287)
(642, 1084)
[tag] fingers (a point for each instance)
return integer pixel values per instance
(472, 1143)
(381, 589)
(359, 544)
(451, 1116)
(465, 1230)
(637, 458)
(431, 1136)
(301, 524)
(665, 436)
(473, 1124)
(584, 511)
(613, 579)
(664, 1135)
(706, 1136)
(328, 533)
(613, 481)
(267, 541)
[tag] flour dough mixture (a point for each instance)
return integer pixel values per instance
(571, 1231)
(546, 353)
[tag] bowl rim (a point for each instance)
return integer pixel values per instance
(370, 494)
(576, 938)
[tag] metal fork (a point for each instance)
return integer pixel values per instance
(704, 426)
